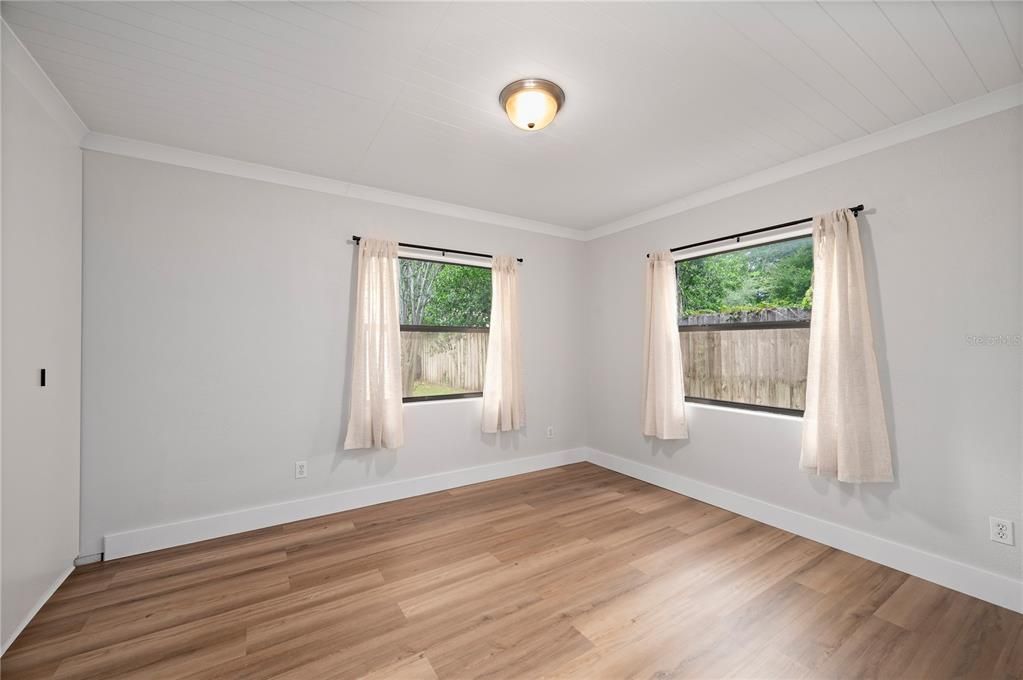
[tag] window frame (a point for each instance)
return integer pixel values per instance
(742, 325)
(420, 328)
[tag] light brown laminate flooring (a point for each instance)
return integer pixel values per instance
(573, 572)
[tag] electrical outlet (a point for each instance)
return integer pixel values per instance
(550, 432)
(300, 469)
(1001, 531)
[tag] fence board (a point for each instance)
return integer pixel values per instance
(766, 367)
(449, 359)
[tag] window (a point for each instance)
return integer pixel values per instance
(445, 315)
(744, 322)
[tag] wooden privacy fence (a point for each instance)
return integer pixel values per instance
(452, 359)
(765, 366)
(770, 315)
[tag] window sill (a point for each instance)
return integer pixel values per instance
(798, 417)
(443, 400)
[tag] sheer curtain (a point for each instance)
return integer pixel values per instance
(845, 435)
(503, 399)
(664, 412)
(374, 419)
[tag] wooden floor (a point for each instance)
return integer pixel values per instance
(574, 572)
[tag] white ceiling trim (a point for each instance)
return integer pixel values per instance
(20, 63)
(985, 105)
(134, 148)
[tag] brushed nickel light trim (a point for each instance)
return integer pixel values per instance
(554, 93)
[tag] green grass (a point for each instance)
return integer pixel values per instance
(433, 390)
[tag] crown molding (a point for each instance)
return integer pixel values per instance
(134, 148)
(19, 63)
(958, 114)
(985, 105)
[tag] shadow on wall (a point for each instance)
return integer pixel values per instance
(666, 447)
(505, 441)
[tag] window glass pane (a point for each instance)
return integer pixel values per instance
(726, 301)
(437, 300)
(442, 364)
(442, 294)
(758, 366)
(761, 283)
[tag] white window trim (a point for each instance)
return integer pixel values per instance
(746, 242)
(736, 407)
(728, 246)
(407, 404)
(430, 256)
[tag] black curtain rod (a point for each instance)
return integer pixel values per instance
(856, 209)
(437, 250)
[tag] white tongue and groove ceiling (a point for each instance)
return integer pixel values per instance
(663, 99)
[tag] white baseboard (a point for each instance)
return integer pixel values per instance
(162, 536)
(985, 585)
(995, 588)
(35, 610)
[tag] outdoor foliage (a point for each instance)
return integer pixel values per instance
(415, 286)
(461, 297)
(438, 294)
(771, 276)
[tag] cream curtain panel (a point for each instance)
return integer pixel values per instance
(845, 435)
(503, 396)
(375, 420)
(664, 413)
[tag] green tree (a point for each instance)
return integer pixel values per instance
(461, 297)
(415, 290)
(789, 278)
(775, 275)
(705, 282)
(437, 294)
(415, 287)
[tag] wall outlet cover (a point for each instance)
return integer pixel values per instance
(1002, 530)
(300, 469)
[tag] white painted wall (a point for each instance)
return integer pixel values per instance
(943, 244)
(41, 328)
(216, 345)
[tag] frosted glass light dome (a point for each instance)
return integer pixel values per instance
(532, 103)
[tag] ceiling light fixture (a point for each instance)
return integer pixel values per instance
(532, 103)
